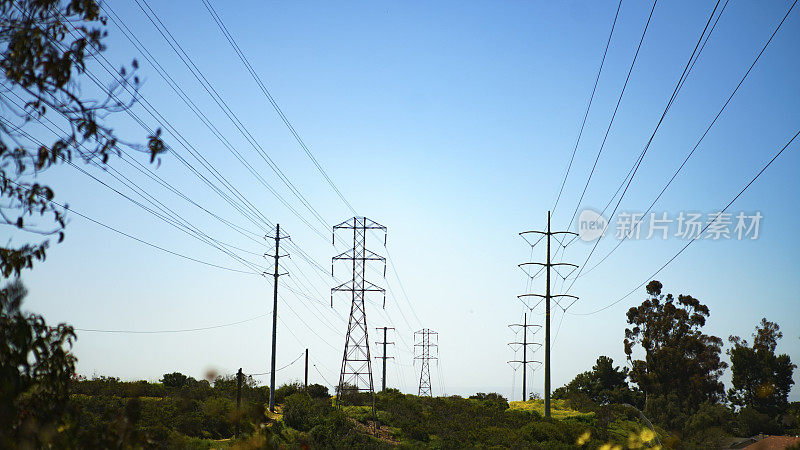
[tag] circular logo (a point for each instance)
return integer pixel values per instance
(591, 225)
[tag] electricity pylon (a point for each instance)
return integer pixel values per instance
(525, 361)
(275, 276)
(384, 357)
(547, 266)
(356, 370)
(425, 356)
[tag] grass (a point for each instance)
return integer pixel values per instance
(558, 409)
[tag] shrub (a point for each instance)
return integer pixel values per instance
(350, 395)
(492, 399)
(317, 391)
(331, 428)
(302, 412)
(286, 390)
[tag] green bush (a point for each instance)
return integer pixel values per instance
(331, 428)
(286, 390)
(352, 396)
(303, 412)
(317, 391)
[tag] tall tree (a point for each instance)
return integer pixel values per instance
(761, 379)
(44, 48)
(680, 361)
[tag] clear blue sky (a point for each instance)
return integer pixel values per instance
(452, 124)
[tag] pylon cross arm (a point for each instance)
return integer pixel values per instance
(545, 264)
(522, 233)
(544, 296)
(365, 223)
(350, 255)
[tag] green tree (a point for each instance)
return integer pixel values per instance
(603, 384)
(679, 358)
(44, 45)
(35, 371)
(761, 379)
(176, 379)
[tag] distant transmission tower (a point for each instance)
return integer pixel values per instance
(425, 345)
(525, 361)
(384, 343)
(356, 373)
(547, 266)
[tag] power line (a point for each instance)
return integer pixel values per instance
(698, 234)
(702, 137)
(142, 241)
(192, 106)
(218, 246)
(681, 82)
(188, 229)
(184, 142)
(652, 136)
(161, 181)
(321, 375)
(185, 330)
(231, 40)
(189, 101)
(310, 328)
(402, 288)
(229, 37)
(181, 140)
(280, 368)
(614, 115)
(201, 78)
(271, 99)
(195, 232)
(588, 107)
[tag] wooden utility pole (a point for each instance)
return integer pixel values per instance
(239, 377)
(305, 379)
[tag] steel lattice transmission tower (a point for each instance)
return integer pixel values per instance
(356, 370)
(424, 337)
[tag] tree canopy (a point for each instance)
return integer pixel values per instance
(44, 49)
(603, 384)
(679, 359)
(761, 379)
